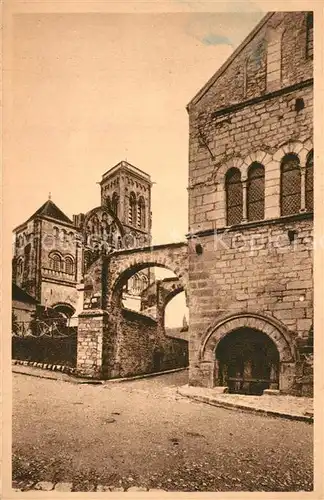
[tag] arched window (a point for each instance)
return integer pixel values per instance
(20, 267)
(255, 192)
(114, 203)
(309, 182)
(309, 35)
(56, 262)
(86, 260)
(234, 196)
(63, 236)
(145, 282)
(108, 202)
(69, 265)
(290, 189)
(137, 284)
(132, 209)
(141, 213)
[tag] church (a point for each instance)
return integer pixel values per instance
(52, 252)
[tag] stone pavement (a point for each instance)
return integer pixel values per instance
(67, 374)
(24, 486)
(143, 434)
(292, 407)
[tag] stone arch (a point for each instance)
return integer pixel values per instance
(167, 299)
(124, 264)
(259, 156)
(107, 209)
(290, 147)
(64, 308)
(134, 268)
(271, 327)
(235, 162)
(173, 293)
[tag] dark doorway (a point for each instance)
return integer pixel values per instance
(157, 360)
(248, 362)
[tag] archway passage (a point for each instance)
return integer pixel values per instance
(248, 362)
(64, 310)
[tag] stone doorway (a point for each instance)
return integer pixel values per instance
(157, 359)
(247, 362)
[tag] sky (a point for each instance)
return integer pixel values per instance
(89, 90)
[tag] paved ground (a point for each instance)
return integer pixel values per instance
(298, 408)
(142, 434)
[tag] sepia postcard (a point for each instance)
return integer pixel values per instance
(162, 272)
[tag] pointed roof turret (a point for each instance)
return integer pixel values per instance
(49, 209)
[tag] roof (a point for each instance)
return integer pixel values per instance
(126, 165)
(49, 209)
(22, 296)
(224, 66)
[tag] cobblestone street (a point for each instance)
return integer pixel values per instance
(143, 435)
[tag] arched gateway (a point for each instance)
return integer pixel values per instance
(114, 341)
(248, 353)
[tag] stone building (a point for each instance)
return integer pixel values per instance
(52, 253)
(251, 214)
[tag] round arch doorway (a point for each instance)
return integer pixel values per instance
(247, 362)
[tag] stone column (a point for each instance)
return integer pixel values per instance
(274, 377)
(302, 187)
(91, 329)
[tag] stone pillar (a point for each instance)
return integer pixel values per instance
(287, 378)
(302, 186)
(274, 377)
(244, 186)
(91, 329)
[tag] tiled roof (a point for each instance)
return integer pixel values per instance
(49, 209)
(21, 295)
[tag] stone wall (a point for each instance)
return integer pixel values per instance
(58, 293)
(138, 340)
(125, 343)
(249, 112)
(92, 334)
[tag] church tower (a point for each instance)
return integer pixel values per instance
(127, 191)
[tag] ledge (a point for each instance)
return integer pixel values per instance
(253, 224)
(92, 312)
(148, 248)
(265, 97)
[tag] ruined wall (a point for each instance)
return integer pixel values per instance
(139, 339)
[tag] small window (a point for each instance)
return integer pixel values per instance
(290, 185)
(309, 35)
(114, 203)
(255, 192)
(86, 260)
(56, 262)
(141, 213)
(309, 183)
(69, 267)
(132, 209)
(234, 197)
(20, 267)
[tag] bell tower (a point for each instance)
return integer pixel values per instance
(127, 191)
